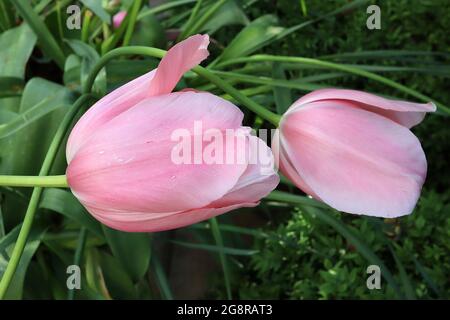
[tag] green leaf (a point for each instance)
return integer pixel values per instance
(162, 278)
(406, 282)
(132, 250)
(97, 7)
(16, 46)
(89, 58)
(283, 97)
(223, 259)
(228, 14)
(10, 87)
(59, 97)
(47, 42)
(118, 281)
(65, 203)
(149, 32)
(251, 38)
(15, 290)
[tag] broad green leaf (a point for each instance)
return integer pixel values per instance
(54, 100)
(228, 14)
(72, 72)
(89, 58)
(47, 42)
(65, 203)
(16, 46)
(10, 86)
(254, 36)
(132, 250)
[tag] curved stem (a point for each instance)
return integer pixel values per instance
(158, 53)
(36, 195)
(34, 181)
(336, 66)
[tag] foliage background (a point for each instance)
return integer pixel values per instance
(274, 250)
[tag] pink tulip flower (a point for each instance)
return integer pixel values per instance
(119, 154)
(118, 18)
(354, 151)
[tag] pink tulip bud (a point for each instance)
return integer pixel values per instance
(118, 18)
(122, 152)
(354, 151)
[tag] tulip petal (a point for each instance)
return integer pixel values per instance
(405, 113)
(147, 222)
(175, 63)
(354, 160)
(285, 165)
(258, 180)
(105, 109)
(128, 165)
(179, 59)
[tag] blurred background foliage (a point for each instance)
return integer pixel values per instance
(277, 250)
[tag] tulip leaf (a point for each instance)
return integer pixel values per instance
(118, 282)
(89, 57)
(228, 14)
(149, 32)
(40, 107)
(16, 46)
(65, 203)
(254, 36)
(15, 290)
(283, 97)
(162, 278)
(10, 86)
(132, 250)
(47, 42)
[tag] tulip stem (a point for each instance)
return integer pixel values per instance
(158, 53)
(36, 195)
(34, 181)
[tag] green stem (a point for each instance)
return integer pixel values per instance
(132, 21)
(34, 181)
(336, 66)
(36, 195)
(158, 53)
(86, 25)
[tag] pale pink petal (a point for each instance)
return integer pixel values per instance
(179, 59)
(356, 161)
(258, 180)
(285, 165)
(106, 109)
(128, 164)
(405, 113)
(175, 63)
(147, 222)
